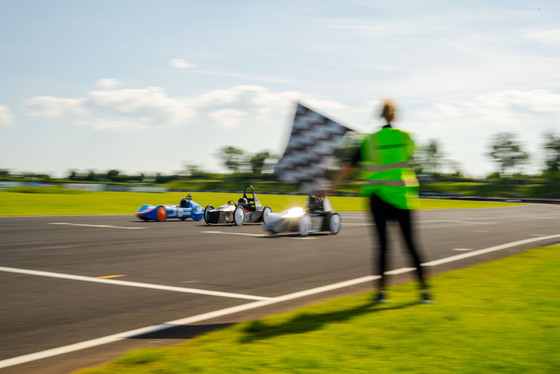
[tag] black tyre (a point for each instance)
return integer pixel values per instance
(207, 212)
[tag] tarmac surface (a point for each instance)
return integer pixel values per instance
(118, 283)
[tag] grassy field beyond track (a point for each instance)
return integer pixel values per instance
(496, 317)
(33, 204)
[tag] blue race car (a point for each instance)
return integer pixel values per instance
(187, 208)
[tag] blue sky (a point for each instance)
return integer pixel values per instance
(146, 86)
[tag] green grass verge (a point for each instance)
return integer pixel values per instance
(77, 203)
(495, 317)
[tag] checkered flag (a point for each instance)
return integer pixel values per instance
(311, 150)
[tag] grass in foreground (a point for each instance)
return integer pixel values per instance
(79, 203)
(496, 317)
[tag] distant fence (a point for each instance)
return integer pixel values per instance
(4, 185)
(84, 186)
(509, 200)
(87, 187)
(114, 187)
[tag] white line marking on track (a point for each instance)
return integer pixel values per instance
(232, 233)
(102, 226)
(488, 250)
(244, 307)
(399, 271)
(452, 221)
(255, 235)
(184, 321)
(462, 249)
(115, 282)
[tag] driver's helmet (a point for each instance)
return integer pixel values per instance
(315, 203)
(243, 202)
(184, 203)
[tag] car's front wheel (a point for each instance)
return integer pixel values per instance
(267, 211)
(239, 216)
(305, 225)
(161, 214)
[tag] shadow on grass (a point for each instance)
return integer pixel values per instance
(305, 322)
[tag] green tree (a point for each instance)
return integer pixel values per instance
(112, 175)
(194, 171)
(232, 158)
(456, 171)
(552, 155)
(91, 176)
(258, 161)
(507, 152)
(428, 158)
(432, 157)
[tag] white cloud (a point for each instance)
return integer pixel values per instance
(6, 117)
(228, 117)
(108, 83)
(509, 109)
(180, 64)
(48, 106)
(128, 110)
(548, 37)
(465, 127)
(463, 124)
(115, 124)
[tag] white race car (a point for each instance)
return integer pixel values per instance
(319, 216)
(247, 210)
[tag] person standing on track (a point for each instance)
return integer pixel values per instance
(384, 159)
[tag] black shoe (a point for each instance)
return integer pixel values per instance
(426, 297)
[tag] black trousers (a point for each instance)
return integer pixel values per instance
(383, 212)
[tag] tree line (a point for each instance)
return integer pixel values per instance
(505, 150)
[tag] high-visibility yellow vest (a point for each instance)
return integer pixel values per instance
(386, 168)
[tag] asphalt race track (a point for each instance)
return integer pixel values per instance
(72, 279)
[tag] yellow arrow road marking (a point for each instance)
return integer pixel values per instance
(111, 276)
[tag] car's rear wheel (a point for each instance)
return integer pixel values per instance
(161, 214)
(239, 216)
(207, 212)
(335, 223)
